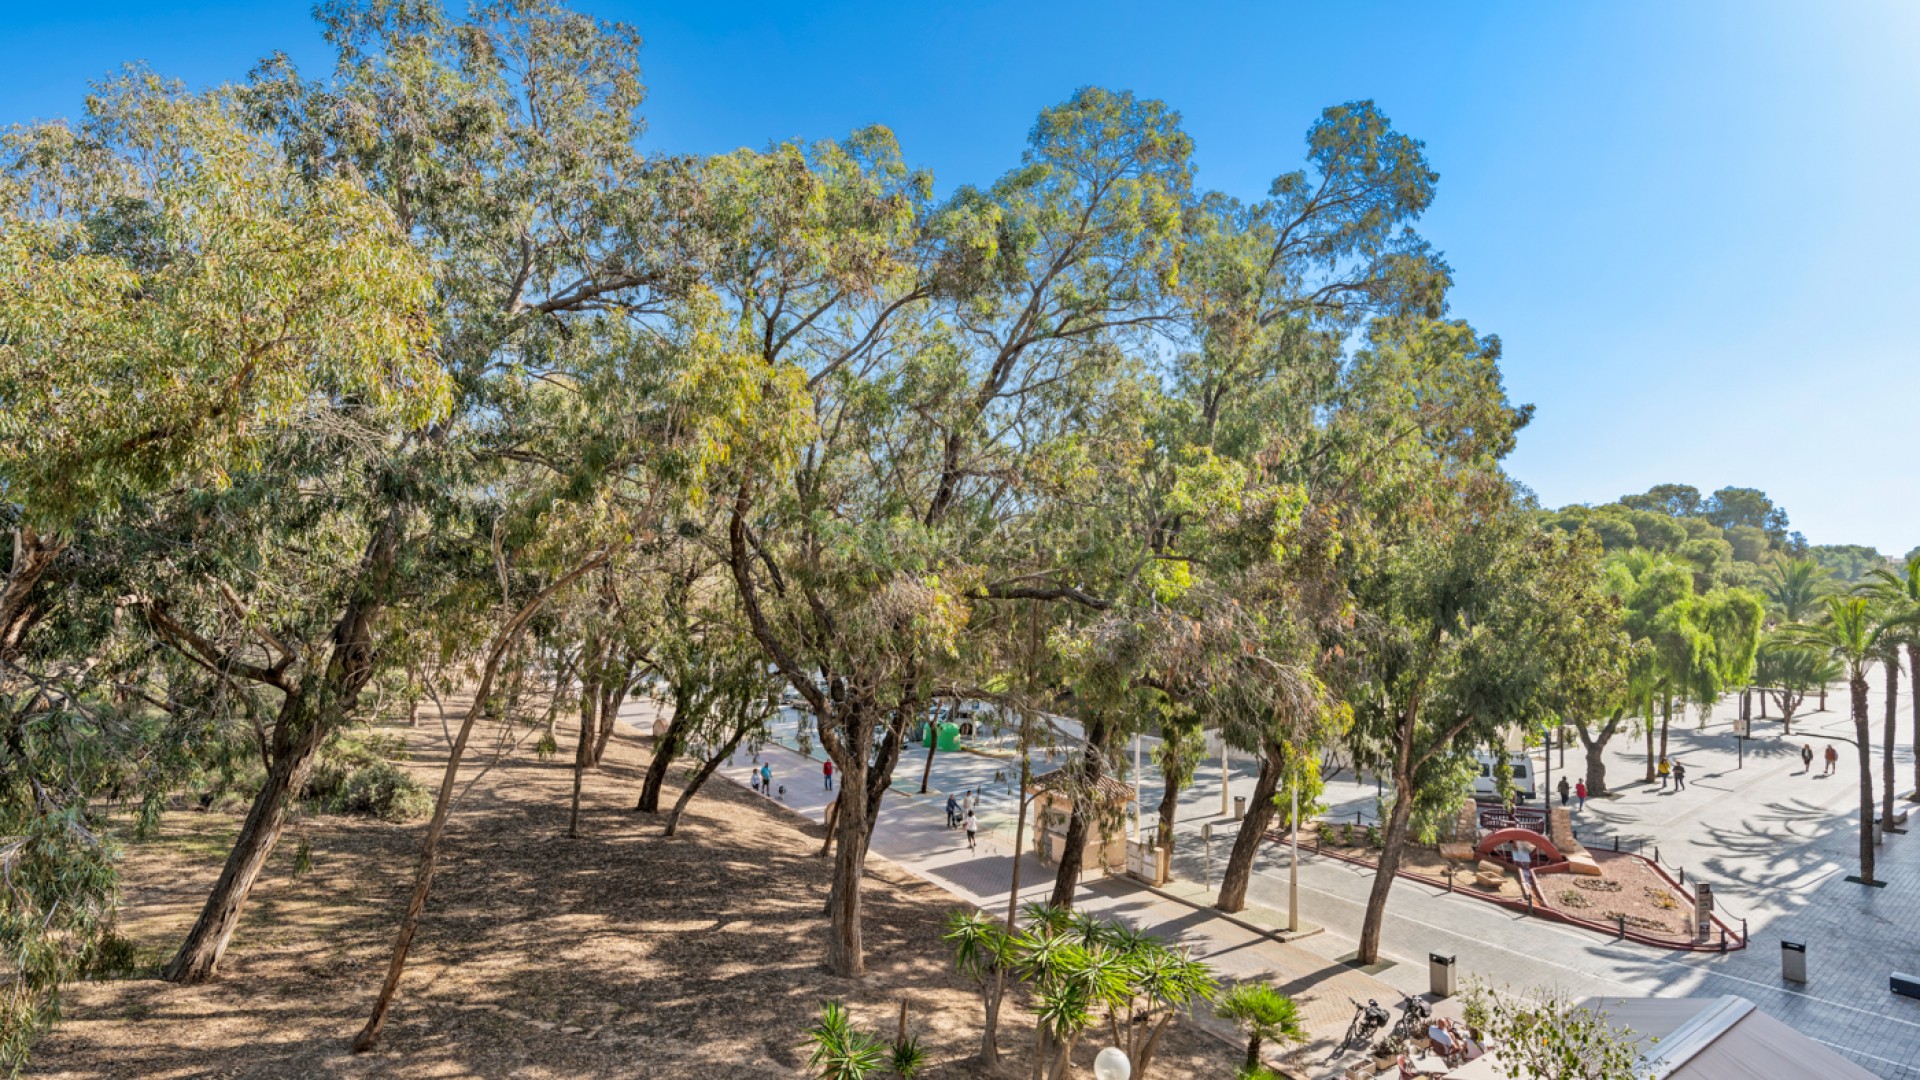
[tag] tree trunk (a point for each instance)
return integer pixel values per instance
(613, 694)
(582, 750)
(1394, 842)
(699, 779)
(1092, 765)
(1596, 749)
(1666, 717)
(199, 955)
(933, 742)
(443, 804)
(1857, 685)
(1253, 829)
(33, 555)
(1892, 663)
(1652, 774)
(665, 751)
(846, 953)
(1913, 669)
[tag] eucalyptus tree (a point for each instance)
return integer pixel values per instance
(195, 314)
(1789, 672)
(1693, 646)
(947, 355)
(1854, 633)
(1478, 627)
(503, 147)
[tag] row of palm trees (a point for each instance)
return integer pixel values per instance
(1876, 622)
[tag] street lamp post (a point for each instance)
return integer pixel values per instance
(1112, 1064)
(1293, 864)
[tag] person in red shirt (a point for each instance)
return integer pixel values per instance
(1580, 792)
(826, 773)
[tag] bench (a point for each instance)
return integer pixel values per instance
(1905, 985)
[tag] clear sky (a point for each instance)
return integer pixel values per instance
(1695, 225)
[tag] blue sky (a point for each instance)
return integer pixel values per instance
(1694, 225)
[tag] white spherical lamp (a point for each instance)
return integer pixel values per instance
(1112, 1064)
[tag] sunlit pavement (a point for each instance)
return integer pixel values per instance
(1775, 843)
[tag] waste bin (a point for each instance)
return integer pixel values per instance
(1239, 807)
(949, 736)
(1793, 961)
(1440, 975)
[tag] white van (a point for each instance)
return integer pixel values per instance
(1486, 787)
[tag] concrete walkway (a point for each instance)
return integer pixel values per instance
(912, 832)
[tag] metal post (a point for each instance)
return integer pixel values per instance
(1293, 864)
(1226, 778)
(1547, 794)
(1139, 831)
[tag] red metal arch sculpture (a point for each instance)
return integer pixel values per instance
(1548, 853)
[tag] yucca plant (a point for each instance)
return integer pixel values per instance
(984, 952)
(842, 1051)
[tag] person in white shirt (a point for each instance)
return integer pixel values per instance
(973, 828)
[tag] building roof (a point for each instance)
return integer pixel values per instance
(1705, 1039)
(1111, 790)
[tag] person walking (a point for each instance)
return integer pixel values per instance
(973, 829)
(1580, 792)
(1679, 777)
(1806, 758)
(826, 773)
(953, 811)
(753, 781)
(1833, 759)
(967, 804)
(1666, 773)
(1566, 791)
(766, 780)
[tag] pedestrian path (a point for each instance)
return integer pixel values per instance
(912, 833)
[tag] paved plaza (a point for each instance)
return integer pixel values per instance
(1775, 842)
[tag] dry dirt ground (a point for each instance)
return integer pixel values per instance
(621, 954)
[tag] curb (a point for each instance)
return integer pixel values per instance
(1540, 909)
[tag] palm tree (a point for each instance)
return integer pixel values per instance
(1901, 592)
(1795, 588)
(1853, 635)
(1262, 1014)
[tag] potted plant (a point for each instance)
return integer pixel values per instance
(1385, 1052)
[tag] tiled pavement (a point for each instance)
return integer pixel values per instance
(912, 833)
(1777, 845)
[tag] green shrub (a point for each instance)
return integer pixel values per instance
(355, 776)
(386, 791)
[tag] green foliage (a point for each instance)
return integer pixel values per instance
(842, 1051)
(1544, 1035)
(354, 776)
(1263, 1015)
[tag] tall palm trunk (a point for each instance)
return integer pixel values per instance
(1886, 745)
(1857, 685)
(1913, 668)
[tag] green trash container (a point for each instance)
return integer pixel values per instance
(949, 736)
